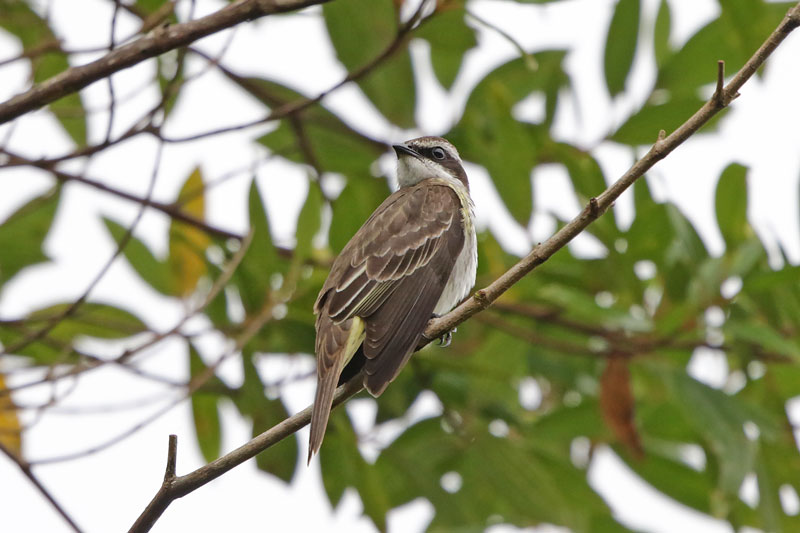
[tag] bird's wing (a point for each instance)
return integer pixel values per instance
(378, 289)
(402, 236)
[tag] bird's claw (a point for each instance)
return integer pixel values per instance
(447, 338)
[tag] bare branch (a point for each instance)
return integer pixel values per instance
(161, 39)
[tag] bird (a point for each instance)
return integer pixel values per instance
(414, 258)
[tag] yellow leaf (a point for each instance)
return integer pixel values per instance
(10, 429)
(187, 244)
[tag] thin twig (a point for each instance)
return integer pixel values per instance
(110, 79)
(28, 472)
(167, 208)
(73, 307)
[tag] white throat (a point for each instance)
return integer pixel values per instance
(412, 170)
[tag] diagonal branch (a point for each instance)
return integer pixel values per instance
(177, 487)
(28, 472)
(161, 39)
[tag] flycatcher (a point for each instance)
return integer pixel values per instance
(415, 257)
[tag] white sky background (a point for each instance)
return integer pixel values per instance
(106, 491)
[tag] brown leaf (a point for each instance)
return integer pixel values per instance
(617, 403)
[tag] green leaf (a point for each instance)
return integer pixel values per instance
(489, 133)
(718, 418)
(89, 319)
(17, 18)
(154, 272)
(663, 49)
(205, 412)
(621, 44)
(731, 205)
(643, 126)
(508, 480)
(587, 179)
(733, 37)
(343, 466)
(352, 208)
(763, 338)
(280, 459)
(327, 143)
(675, 479)
(23, 232)
(360, 31)
(450, 38)
(308, 221)
(260, 261)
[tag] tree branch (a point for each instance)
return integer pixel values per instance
(176, 487)
(26, 470)
(161, 39)
(170, 209)
(483, 298)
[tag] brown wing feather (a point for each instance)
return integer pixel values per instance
(394, 330)
(379, 276)
(385, 249)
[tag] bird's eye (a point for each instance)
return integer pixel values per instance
(438, 153)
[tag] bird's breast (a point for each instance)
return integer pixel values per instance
(462, 278)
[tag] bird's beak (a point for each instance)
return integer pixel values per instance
(403, 150)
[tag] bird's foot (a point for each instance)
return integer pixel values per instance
(446, 338)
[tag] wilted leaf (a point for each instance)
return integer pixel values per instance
(616, 400)
(10, 428)
(621, 44)
(187, 244)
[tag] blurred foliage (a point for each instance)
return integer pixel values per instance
(582, 353)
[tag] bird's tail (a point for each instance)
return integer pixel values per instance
(326, 386)
(330, 363)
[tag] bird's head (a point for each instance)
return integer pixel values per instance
(428, 157)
